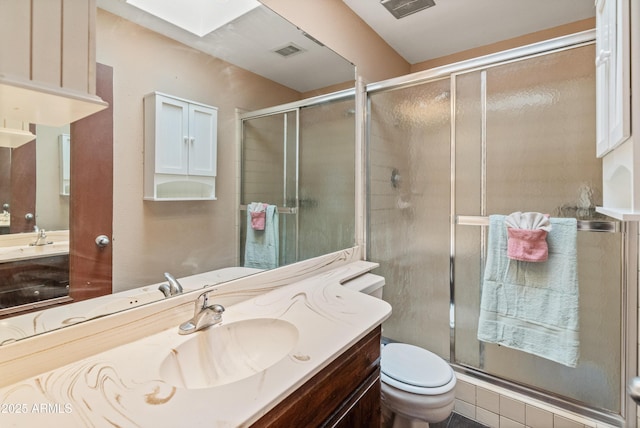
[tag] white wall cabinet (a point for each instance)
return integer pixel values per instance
(613, 123)
(48, 64)
(618, 28)
(180, 149)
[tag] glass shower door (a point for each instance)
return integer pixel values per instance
(269, 175)
(524, 141)
(327, 181)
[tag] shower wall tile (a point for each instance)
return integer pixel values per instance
(465, 409)
(488, 418)
(560, 422)
(475, 398)
(466, 391)
(512, 409)
(488, 400)
(537, 418)
(508, 423)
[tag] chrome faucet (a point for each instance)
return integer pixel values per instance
(204, 315)
(41, 238)
(172, 288)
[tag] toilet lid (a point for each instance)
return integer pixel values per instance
(416, 366)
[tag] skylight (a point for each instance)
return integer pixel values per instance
(199, 17)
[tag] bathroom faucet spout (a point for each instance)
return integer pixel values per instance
(204, 316)
(172, 288)
(41, 239)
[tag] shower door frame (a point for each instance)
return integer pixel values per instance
(629, 268)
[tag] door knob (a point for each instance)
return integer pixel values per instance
(102, 241)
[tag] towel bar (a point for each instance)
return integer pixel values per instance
(281, 210)
(583, 225)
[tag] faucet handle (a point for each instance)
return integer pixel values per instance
(202, 301)
(217, 310)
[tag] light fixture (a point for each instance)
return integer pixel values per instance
(14, 134)
(199, 17)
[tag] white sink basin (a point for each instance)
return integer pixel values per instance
(228, 353)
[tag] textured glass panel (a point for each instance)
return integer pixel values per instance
(541, 134)
(327, 181)
(596, 379)
(539, 157)
(468, 200)
(409, 210)
(263, 160)
(526, 144)
(265, 142)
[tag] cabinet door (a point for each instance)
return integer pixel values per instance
(203, 132)
(603, 64)
(612, 74)
(172, 136)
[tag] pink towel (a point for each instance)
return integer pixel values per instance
(258, 216)
(527, 245)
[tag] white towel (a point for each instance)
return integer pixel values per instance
(532, 307)
(528, 221)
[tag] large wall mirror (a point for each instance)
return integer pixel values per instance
(256, 62)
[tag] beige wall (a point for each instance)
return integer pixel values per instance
(184, 238)
(52, 209)
(539, 36)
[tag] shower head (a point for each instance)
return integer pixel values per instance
(402, 8)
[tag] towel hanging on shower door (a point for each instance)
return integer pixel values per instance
(532, 307)
(262, 248)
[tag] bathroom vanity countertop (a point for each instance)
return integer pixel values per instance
(15, 247)
(124, 385)
(32, 323)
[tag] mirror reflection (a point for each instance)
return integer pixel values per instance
(237, 70)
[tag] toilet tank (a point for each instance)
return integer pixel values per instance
(368, 283)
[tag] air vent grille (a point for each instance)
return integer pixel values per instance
(402, 8)
(289, 50)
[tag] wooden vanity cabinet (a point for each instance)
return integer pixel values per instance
(345, 394)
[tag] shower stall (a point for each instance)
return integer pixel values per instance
(300, 157)
(509, 132)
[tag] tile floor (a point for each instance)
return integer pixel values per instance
(457, 421)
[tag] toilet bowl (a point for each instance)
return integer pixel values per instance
(418, 387)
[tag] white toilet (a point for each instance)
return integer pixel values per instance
(418, 387)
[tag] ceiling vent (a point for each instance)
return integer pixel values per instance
(402, 8)
(289, 50)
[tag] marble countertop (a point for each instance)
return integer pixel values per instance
(124, 386)
(33, 323)
(16, 246)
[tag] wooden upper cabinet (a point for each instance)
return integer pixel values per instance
(48, 69)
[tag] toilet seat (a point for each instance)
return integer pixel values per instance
(415, 370)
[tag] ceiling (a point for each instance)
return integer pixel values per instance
(249, 42)
(456, 25)
(448, 27)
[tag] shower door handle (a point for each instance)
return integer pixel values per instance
(634, 389)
